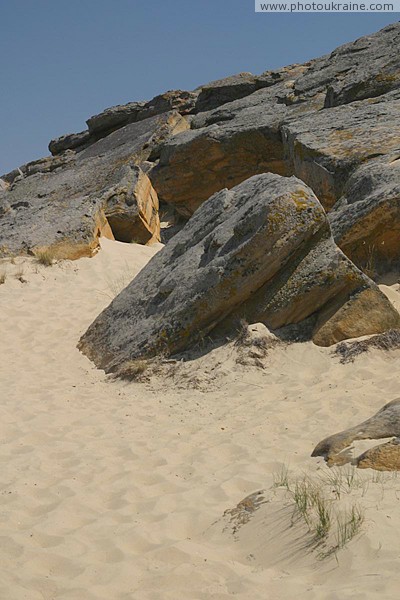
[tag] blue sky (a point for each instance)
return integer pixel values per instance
(65, 60)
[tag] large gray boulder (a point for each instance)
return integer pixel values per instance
(99, 191)
(262, 251)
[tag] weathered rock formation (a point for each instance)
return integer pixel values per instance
(227, 145)
(71, 141)
(322, 121)
(74, 198)
(325, 148)
(232, 88)
(118, 116)
(366, 220)
(333, 122)
(263, 252)
(115, 117)
(366, 68)
(385, 457)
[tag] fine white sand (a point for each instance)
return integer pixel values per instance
(117, 491)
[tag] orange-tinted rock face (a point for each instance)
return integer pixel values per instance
(385, 457)
(132, 209)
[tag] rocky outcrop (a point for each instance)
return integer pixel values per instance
(332, 122)
(283, 122)
(384, 424)
(100, 191)
(366, 220)
(118, 116)
(71, 141)
(261, 252)
(259, 133)
(225, 90)
(362, 69)
(222, 91)
(365, 68)
(42, 165)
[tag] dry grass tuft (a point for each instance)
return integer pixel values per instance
(133, 370)
(281, 479)
(3, 277)
(243, 333)
(19, 275)
(45, 257)
(348, 351)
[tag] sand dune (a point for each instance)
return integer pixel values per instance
(115, 490)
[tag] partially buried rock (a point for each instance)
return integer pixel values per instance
(262, 252)
(385, 457)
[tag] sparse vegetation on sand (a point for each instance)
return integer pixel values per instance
(45, 257)
(252, 349)
(330, 525)
(132, 370)
(19, 274)
(348, 526)
(348, 351)
(3, 277)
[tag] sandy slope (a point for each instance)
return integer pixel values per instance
(113, 490)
